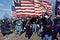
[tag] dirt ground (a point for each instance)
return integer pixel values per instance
(21, 37)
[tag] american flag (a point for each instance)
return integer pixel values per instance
(24, 8)
(48, 6)
(28, 8)
(13, 11)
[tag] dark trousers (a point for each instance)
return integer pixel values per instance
(6, 33)
(29, 35)
(56, 30)
(3, 34)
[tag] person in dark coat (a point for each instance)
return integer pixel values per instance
(28, 31)
(40, 27)
(39, 20)
(5, 28)
(33, 19)
(56, 30)
(46, 20)
(47, 32)
(56, 26)
(56, 19)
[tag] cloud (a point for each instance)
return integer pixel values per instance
(4, 10)
(1, 4)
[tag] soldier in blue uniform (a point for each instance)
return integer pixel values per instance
(56, 25)
(46, 20)
(28, 30)
(5, 27)
(47, 32)
(18, 26)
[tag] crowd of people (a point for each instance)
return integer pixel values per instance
(43, 26)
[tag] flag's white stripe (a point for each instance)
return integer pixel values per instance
(25, 10)
(25, 13)
(41, 11)
(25, 1)
(29, 13)
(32, 10)
(37, 4)
(49, 6)
(39, 7)
(28, 4)
(24, 7)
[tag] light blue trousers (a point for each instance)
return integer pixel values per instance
(46, 37)
(34, 26)
(18, 29)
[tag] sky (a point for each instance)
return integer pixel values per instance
(5, 7)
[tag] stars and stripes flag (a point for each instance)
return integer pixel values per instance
(13, 11)
(57, 7)
(48, 6)
(28, 7)
(24, 7)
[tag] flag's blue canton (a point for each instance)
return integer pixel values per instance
(13, 8)
(17, 4)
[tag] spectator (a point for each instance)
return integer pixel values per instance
(56, 25)
(46, 20)
(28, 30)
(34, 27)
(47, 32)
(5, 28)
(40, 27)
(18, 26)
